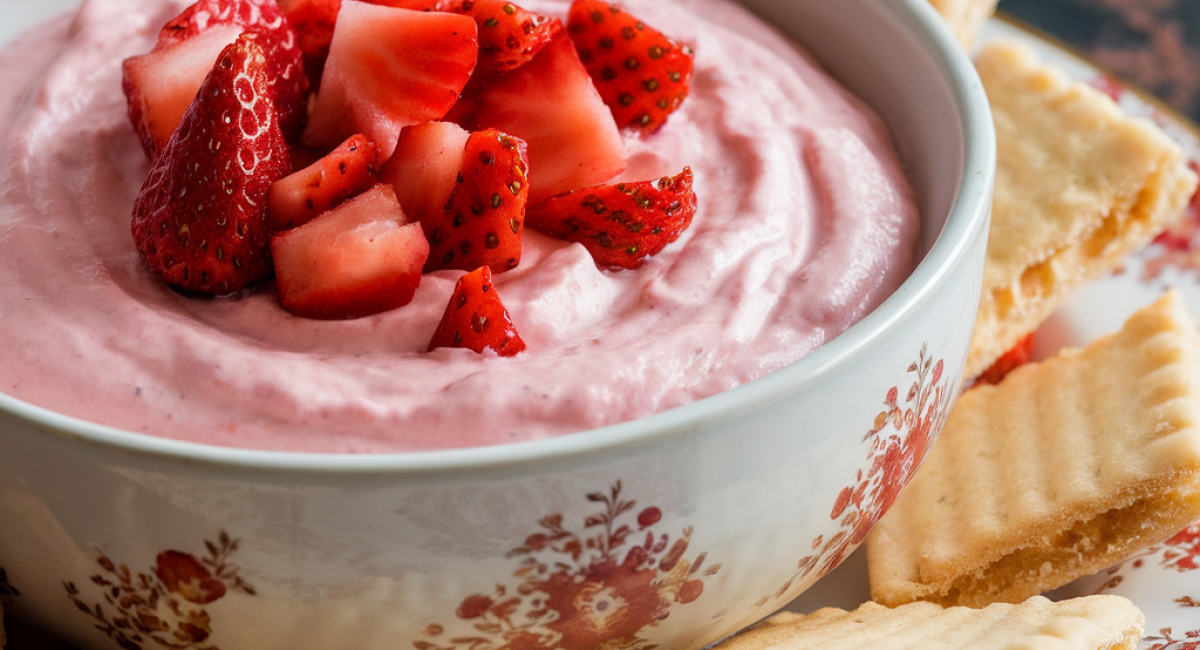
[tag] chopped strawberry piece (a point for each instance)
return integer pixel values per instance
(509, 36)
(642, 75)
(551, 104)
(387, 69)
(476, 319)
(358, 259)
(481, 223)
(160, 85)
(1019, 355)
(346, 172)
(418, 5)
(313, 22)
(285, 66)
(622, 224)
(200, 218)
(424, 167)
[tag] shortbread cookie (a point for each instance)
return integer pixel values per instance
(1079, 186)
(965, 17)
(1064, 468)
(1090, 623)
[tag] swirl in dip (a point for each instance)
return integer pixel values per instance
(806, 223)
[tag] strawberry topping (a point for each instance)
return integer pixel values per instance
(642, 75)
(200, 218)
(620, 224)
(482, 222)
(476, 319)
(509, 36)
(346, 172)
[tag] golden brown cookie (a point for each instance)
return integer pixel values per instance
(1079, 186)
(965, 17)
(1090, 623)
(1064, 468)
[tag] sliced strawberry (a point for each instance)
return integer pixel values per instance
(620, 224)
(642, 75)
(285, 66)
(346, 172)
(481, 223)
(200, 219)
(476, 319)
(387, 69)
(509, 36)
(1019, 355)
(358, 259)
(550, 103)
(418, 5)
(159, 86)
(313, 21)
(424, 167)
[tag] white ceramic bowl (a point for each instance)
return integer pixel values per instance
(670, 531)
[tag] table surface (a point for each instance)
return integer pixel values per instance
(1151, 43)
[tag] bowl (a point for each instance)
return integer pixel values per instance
(670, 531)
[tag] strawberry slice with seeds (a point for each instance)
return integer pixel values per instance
(358, 259)
(620, 224)
(425, 166)
(509, 36)
(551, 104)
(344, 173)
(389, 68)
(642, 75)
(476, 319)
(200, 218)
(482, 221)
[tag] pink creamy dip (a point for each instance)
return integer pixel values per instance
(806, 223)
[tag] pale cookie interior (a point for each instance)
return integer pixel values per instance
(965, 17)
(1079, 186)
(1090, 623)
(1063, 469)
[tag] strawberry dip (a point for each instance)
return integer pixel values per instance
(806, 223)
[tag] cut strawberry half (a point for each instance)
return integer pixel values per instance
(551, 104)
(346, 172)
(481, 223)
(642, 75)
(200, 218)
(358, 259)
(621, 224)
(424, 167)
(509, 36)
(476, 319)
(387, 69)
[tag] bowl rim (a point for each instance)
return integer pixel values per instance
(969, 213)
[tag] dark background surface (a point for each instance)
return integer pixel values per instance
(1152, 43)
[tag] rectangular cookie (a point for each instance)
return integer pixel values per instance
(1079, 186)
(1064, 468)
(1089, 623)
(965, 17)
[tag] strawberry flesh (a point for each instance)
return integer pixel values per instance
(313, 22)
(642, 75)
(620, 224)
(481, 223)
(346, 172)
(424, 167)
(389, 68)
(509, 36)
(359, 259)
(476, 319)
(200, 218)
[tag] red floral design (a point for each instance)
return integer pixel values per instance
(1179, 243)
(163, 605)
(583, 592)
(900, 438)
(1165, 641)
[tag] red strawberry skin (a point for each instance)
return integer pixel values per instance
(476, 319)
(200, 218)
(344, 173)
(482, 222)
(425, 166)
(509, 36)
(620, 224)
(642, 75)
(313, 22)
